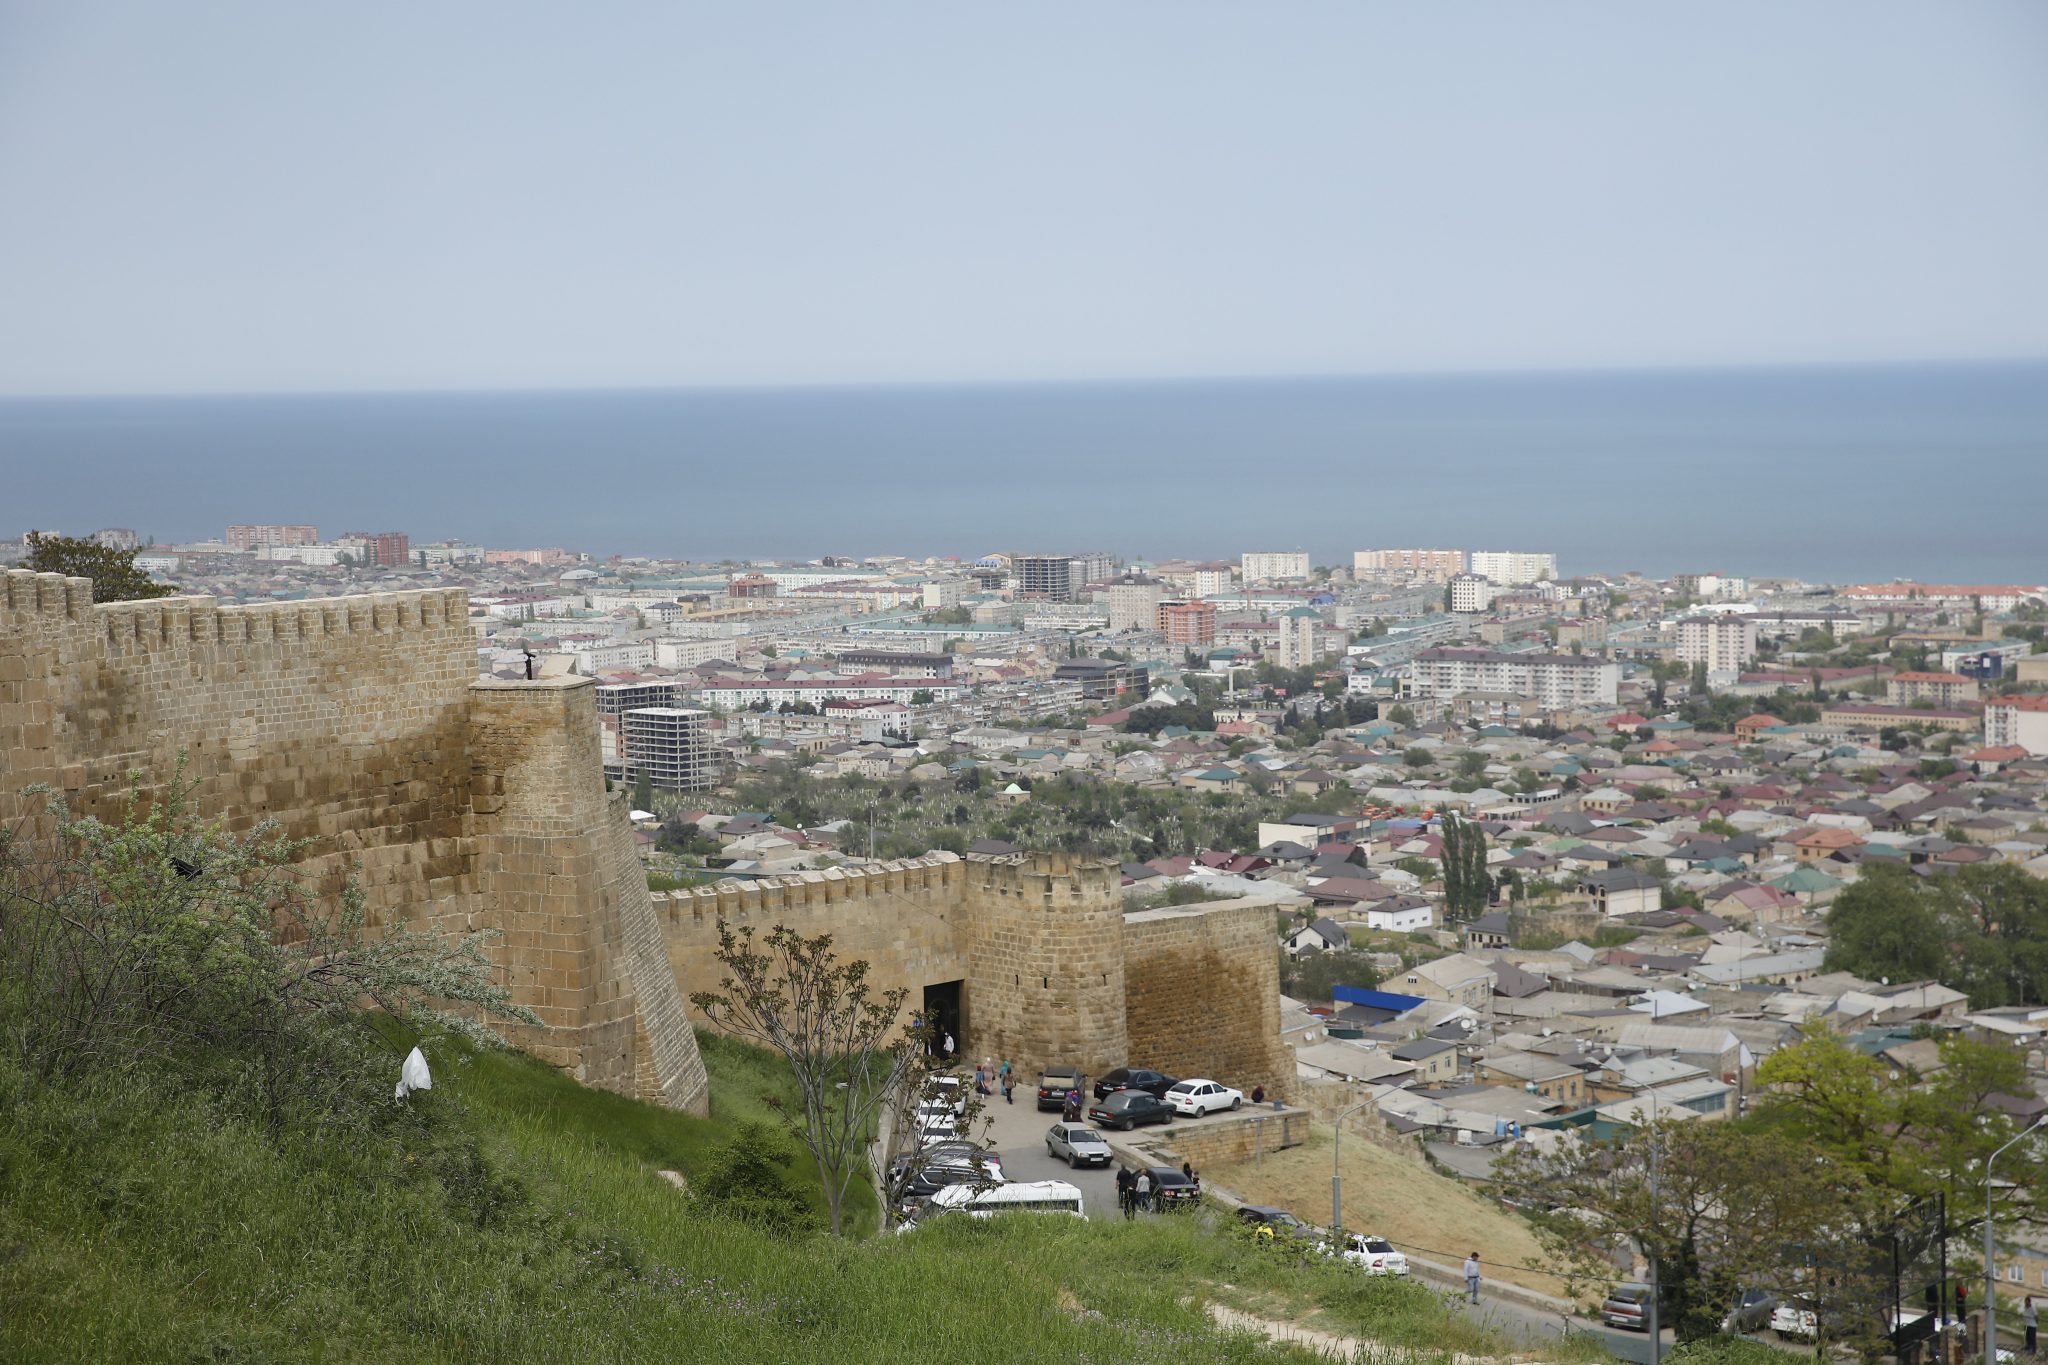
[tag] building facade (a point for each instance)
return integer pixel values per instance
(1555, 681)
(1274, 566)
(1133, 602)
(2017, 720)
(1514, 568)
(1943, 689)
(1298, 638)
(1188, 625)
(250, 537)
(1048, 576)
(1724, 642)
(385, 549)
(669, 745)
(1470, 593)
(1421, 563)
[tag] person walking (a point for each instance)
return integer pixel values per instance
(1125, 1197)
(1472, 1277)
(1144, 1192)
(1073, 1106)
(946, 1049)
(1009, 1084)
(2030, 1317)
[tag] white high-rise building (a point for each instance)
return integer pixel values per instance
(1298, 637)
(1514, 568)
(1422, 563)
(1471, 593)
(1724, 641)
(1133, 602)
(1274, 567)
(1552, 680)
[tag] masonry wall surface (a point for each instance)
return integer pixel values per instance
(1202, 994)
(351, 722)
(1046, 975)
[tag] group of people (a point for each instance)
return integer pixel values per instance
(990, 1077)
(1134, 1189)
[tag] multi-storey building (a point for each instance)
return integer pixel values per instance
(1133, 602)
(1970, 597)
(1514, 567)
(1422, 563)
(386, 549)
(668, 744)
(1048, 576)
(615, 699)
(1298, 637)
(1103, 679)
(734, 693)
(1188, 625)
(1943, 689)
(116, 538)
(1091, 566)
(1553, 680)
(861, 663)
(2017, 720)
(751, 586)
(249, 537)
(1724, 642)
(1195, 580)
(1274, 566)
(1471, 593)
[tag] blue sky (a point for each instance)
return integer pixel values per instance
(262, 197)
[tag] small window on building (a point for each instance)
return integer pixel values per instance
(2013, 1275)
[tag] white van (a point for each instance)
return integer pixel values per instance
(1024, 1196)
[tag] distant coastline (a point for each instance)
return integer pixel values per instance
(1927, 471)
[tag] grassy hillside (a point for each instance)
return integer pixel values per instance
(1397, 1196)
(510, 1215)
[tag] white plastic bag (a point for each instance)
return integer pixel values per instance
(414, 1075)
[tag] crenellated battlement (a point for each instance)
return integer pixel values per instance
(128, 627)
(736, 900)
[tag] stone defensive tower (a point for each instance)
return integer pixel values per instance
(1046, 961)
(357, 723)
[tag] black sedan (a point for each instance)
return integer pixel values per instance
(1127, 1109)
(1155, 1083)
(1172, 1190)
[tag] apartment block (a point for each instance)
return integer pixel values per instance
(1723, 642)
(1421, 563)
(1514, 568)
(669, 744)
(1298, 628)
(1274, 567)
(1048, 576)
(1188, 625)
(1133, 602)
(385, 549)
(250, 537)
(860, 663)
(1471, 593)
(2017, 720)
(1555, 681)
(1943, 689)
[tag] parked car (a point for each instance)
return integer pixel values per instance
(1627, 1305)
(948, 1164)
(1752, 1311)
(1795, 1318)
(945, 1088)
(1373, 1255)
(1126, 1109)
(1134, 1078)
(1200, 1097)
(1272, 1222)
(1053, 1084)
(1076, 1144)
(1172, 1190)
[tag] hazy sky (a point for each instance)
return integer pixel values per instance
(265, 196)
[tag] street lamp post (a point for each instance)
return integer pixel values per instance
(1990, 1272)
(1337, 1180)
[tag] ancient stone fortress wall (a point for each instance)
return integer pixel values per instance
(357, 725)
(1052, 969)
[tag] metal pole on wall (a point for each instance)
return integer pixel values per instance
(1990, 1269)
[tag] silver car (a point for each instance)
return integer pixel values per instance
(1076, 1144)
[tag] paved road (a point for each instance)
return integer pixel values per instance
(1019, 1133)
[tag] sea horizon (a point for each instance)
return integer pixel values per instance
(1825, 472)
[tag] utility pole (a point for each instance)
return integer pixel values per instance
(1337, 1179)
(1656, 1328)
(1990, 1251)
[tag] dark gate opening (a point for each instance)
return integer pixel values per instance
(942, 1008)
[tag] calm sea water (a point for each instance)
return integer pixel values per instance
(1938, 474)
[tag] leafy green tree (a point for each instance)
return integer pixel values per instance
(1312, 976)
(1418, 757)
(643, 790)
(113, 573)
(1982, 931)
(847, 1051)
(743, 1179)
(1401, 717)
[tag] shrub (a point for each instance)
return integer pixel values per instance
(744, 1178)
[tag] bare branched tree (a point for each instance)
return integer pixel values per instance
(853, 1061)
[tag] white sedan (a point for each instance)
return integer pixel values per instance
(1374, 1255)
(1199, 1097)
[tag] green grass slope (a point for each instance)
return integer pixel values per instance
(511, 1215)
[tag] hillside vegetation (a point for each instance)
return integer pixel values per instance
(201, 1158)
